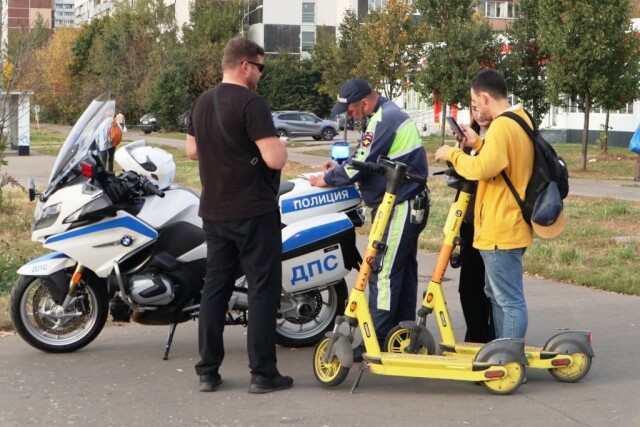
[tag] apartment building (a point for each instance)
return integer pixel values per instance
(64, 13)
(22, 14)
(293, 26)
(87, 10)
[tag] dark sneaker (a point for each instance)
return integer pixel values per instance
(262, 384)
(357, 353)
(210, 382)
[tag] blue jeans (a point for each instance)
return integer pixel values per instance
(503, 286)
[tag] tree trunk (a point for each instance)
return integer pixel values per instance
(585, 131)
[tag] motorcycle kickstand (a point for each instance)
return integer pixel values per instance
(357, 381)
(172, 330)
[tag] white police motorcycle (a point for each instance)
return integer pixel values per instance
(132, 244)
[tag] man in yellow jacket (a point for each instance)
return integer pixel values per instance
(501, 233)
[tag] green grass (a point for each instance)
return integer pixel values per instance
(599, 247)
(617, 163)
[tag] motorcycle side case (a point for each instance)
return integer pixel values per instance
(317, 251)
(305, 201)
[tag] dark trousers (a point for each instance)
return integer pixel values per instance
(476, 307)
(256, 244)
(110, 153)
(393, 292)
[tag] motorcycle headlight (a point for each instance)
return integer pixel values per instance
(47, 216)
(95, 205)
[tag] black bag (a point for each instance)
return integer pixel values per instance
(547, 167)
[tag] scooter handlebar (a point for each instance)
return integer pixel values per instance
(415, 178)
(367, 167)
(381, 168)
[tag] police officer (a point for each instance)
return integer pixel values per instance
(389, 132)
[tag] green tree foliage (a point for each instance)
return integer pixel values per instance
(289, 83)
(213, 23)
(56, 93)
(525, 64)
(167, 96)
(460, 44)
(125, 52)
(81, 49)
(18, 64)
(330, 61)
(593, 52)
(383, 47)
(390, 44)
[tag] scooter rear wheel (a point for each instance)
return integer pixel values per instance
(328, 374)
(509, 383)
(574, 372)
(399, 338)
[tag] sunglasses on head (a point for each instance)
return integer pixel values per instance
(257, 64)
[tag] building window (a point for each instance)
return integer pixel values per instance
(308, 13)
(377, 4)
(308, 39)
(499, 9)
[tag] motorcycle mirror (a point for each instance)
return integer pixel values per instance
(340, 151)
(32, 190)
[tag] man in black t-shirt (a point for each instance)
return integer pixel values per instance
(231, 133)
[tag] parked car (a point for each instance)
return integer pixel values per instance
(149, 123)
(302, 123)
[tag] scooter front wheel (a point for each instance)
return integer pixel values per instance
(399, 338)
(574, 372)
(509, 383)
(47, 326)
(328, 374)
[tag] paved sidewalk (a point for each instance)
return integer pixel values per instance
(38, 166)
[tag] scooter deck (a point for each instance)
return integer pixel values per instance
(537, 358)
(430, 366)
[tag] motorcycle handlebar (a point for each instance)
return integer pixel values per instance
(150, 188)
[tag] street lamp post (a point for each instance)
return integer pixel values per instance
(246, 15)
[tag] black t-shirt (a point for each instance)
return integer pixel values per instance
(236, 182)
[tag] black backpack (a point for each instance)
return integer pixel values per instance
(547, 167)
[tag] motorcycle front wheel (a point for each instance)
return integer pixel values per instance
(312, 315)
(46, 325)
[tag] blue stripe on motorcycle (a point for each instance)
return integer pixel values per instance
(340, 194)
(52, 255)
(126, 222)
(315, 234)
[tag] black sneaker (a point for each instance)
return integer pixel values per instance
(262, 384)
(210, 382)
(357, 353)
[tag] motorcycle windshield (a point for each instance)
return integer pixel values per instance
(81, 141)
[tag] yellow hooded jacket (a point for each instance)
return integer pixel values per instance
(498, 219)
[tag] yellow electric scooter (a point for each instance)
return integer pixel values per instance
(498, 365)
(567, 355)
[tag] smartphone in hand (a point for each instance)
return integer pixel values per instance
(455, 127)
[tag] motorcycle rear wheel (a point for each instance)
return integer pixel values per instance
(32, 313)
(305, 331)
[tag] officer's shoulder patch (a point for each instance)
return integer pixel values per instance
(367, 139)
